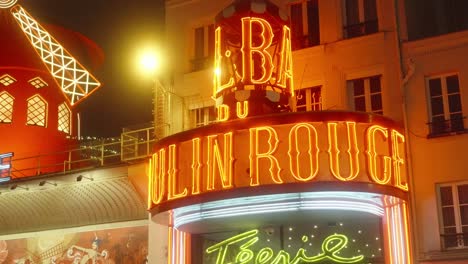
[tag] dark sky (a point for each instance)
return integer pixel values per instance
(120, 28)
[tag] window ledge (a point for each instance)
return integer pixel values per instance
(446, 134)
(450, 254)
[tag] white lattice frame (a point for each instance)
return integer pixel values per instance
(46, 113)
(10, 110)
(68, 114)
(75, 81)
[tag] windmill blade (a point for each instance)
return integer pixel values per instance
(76, 82)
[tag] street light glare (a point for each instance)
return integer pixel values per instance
(149, 62)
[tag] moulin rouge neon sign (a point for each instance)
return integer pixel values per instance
(278, 154)
(331, 247)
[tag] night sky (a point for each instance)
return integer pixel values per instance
(120, 28)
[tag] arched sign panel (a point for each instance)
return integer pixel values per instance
(252, 153)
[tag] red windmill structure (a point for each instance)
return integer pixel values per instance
(40, 85)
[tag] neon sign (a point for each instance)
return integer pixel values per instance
(336, 151)
(331, 247)
(5, 166)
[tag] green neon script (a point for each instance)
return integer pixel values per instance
(330, 248)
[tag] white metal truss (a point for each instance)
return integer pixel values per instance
(76, 82)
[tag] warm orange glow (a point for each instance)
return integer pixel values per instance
(285, 67)
(225, 164)
(196, 166)
(223, 112)
(398, 161)
(312, 151)
(372, 155)
(157, 176)
(248, 50)
(172, 175)
(255, 155)
(352, 152)
(218, 86)
(76, 82)
(242, 109)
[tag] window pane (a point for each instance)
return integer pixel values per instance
(370, 10)
(211, 40)
(358, 86)
(446, 197)
(437, 106)
(211, 114)
(376, 102)
(360, 104)
(448, 216)
(352, 12)
(450, 240)
(375, 84)
(313, 22)
(199, 39)
(463, 193)
(456, 122)
(296, 24)
(464, 214)
(454, 103)
(452, 84)
(435, 87)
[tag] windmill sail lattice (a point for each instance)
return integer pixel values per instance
(76, 82)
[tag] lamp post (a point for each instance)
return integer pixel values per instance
(149, 63)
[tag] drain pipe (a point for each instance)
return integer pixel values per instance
(409, 168)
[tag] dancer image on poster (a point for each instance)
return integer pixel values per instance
(90, 253)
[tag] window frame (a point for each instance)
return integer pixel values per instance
(306, 39)
(449, 129)
(367, 94)
(365, 26)
(205, 113)
(309, 93)
(462, 241)
(46, 114)
(202, 61)
(69, 121)
(10, 109)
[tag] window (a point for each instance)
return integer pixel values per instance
(6, 107)
(309, 99)
(445, 109)
(64, 118)
(204, 116)
(366, 94)
(203, 47)
(37, 111)
(453, 211)
(37, 82)
(6, 80)
(305, 24)
(360, 18)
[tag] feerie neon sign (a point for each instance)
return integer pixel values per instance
(278, 154)
(331, 247)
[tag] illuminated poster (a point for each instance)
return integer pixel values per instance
(112, 246)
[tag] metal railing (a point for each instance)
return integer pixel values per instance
(454, 241)
(448, 126)
(131, 146)
(361, 29)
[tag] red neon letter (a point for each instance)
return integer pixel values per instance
(255, 155)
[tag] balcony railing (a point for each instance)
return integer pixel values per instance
(444, 127)
(454, 241)
(131, 146)
(361, 29)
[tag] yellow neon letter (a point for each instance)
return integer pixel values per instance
(285, 72)
(157, 175)
(172, 175)
(352, 151)
(372, 156)
(398, 161)
(224, 164)
(248, 50)
(242, 110)
(312, 151)
(223, 112)
(218, 86)
(196, 166)
(254, 155)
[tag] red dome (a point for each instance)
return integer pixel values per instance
(36, 119)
